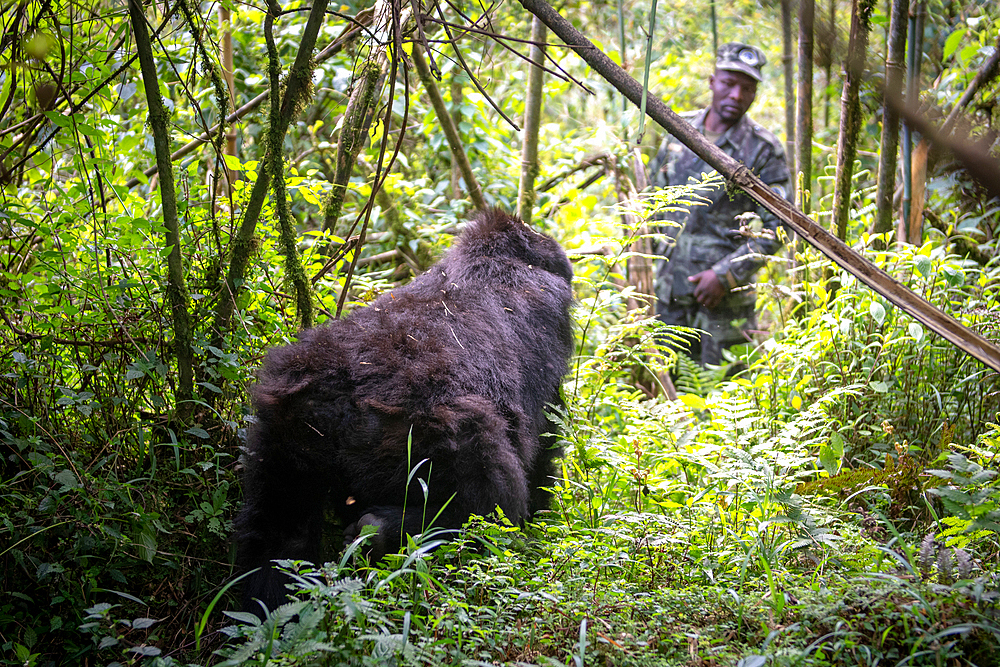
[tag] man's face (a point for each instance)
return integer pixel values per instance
(732, 94)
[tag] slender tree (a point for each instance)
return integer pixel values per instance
(787, 61)
(914, 165)
(532, 120)
(450, 129)
(177, 293)
(889, 146)
(850, 113)
(804, 127)
(297, 90)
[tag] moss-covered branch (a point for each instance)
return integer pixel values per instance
(294, 273)
(297, 89)
(353, 132)
(177, 294)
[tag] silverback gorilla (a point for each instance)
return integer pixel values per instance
(457, 368)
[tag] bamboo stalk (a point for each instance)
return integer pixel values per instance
(788, 63)
(532, 121)
(889, 146)
(804, 127)
(850, 113)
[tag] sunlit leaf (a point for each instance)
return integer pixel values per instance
(951, 44)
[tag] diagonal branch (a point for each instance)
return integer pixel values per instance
(840, 253)
(468, 70)
(448, 125)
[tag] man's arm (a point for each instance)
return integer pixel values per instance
(738, 267)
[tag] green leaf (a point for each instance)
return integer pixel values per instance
(879, 387)
(90, 130)
(829, 459)
(951, 44)
(147, 546)
(922, 263)
(693, 401)
(837, 444)
(58, 119)
(968, 53)
(877, 311)
(233, 162)
(916, 331)
(67, 479)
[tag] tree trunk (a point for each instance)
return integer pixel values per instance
(788, 62)
(804, 128)
(889, 146)
(177, 294)
(287, 236)
(739, 176)
(850, 113)
(914, 55)
(450, 130)
(358, 118)
(532, 120)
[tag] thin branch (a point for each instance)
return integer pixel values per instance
(250, 106)
(559, 72)
(468, 70)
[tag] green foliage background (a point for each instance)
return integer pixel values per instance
(834, 503)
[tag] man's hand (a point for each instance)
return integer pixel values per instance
(708, 291)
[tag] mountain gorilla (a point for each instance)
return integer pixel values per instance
(456, 368)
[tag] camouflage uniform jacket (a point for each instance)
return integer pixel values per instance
(709, 236)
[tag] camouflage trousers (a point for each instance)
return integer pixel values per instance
(721, 327)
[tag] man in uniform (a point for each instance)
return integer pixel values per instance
(705, 277)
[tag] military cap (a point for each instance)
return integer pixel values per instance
(741, 58)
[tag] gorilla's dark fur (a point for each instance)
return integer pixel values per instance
(465, 358)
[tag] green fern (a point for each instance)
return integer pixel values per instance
(692, 378)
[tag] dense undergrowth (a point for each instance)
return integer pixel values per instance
(834, 503)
